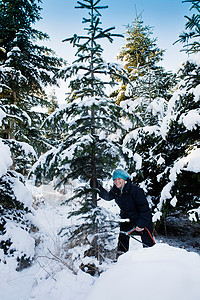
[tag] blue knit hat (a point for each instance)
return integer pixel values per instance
(120, 173)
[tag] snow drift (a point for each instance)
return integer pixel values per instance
(160, 272)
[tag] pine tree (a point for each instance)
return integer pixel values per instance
(140, 49)
(190, 37)
(27, 69)
(15, 214)
(146, 101)
(181, 143)
(88, 147)
(181, 130)
(140, 57)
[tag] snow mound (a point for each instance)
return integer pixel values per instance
(6, 160)
(161, 272)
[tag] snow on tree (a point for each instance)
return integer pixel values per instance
(165, 148)
(140, 57)
(180, 130)
(162, 145)
(25, 70)
(16, 218)
(177, 149)
(88, 147)
(145, 100)
(190, 37)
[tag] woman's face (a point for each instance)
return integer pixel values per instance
(119, 182)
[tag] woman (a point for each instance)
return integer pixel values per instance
(133, 206)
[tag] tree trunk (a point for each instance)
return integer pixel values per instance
(93, 158)
(11, 134)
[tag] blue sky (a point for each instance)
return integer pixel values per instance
(62, 20)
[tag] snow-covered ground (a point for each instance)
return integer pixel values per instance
(158, 273)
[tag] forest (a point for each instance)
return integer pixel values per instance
(148, 125)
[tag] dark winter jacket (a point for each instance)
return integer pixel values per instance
(132, 203)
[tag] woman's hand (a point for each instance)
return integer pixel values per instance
(139, 229)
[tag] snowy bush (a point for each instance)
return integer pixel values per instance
(16, 220)
(16, 216)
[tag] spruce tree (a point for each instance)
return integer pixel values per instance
(15, 214)
(181, 143)
(88, 148)
(190, 37)
(96, 116)
(25, 70)
(180, 131)
(146, 101)
(140, 57)
(140, 49)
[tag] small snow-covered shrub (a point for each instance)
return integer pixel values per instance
(15, 221)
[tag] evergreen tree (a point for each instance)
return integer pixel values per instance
(88, 147)
(160, 153)
(140, 49)
(27, 69)
(140, 57)
(16, 219)
(143, 145)
(182, 144)
(146, 101)
(181, 130)
(190, 37)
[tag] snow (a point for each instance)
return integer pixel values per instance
(22, 193)
(157, 106)
(161, 272)
(160, 160)
(83, 140)
(191, 119)
(21, 240)
(138, 160)
(34, 283)
(134, 134)
(173, 201)
(194, 214)
(6, 160)
(191, 162)
(41, 161)
(64, 286)
(2, 115)
(157, 216)
(25, 147)
(170, 113)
